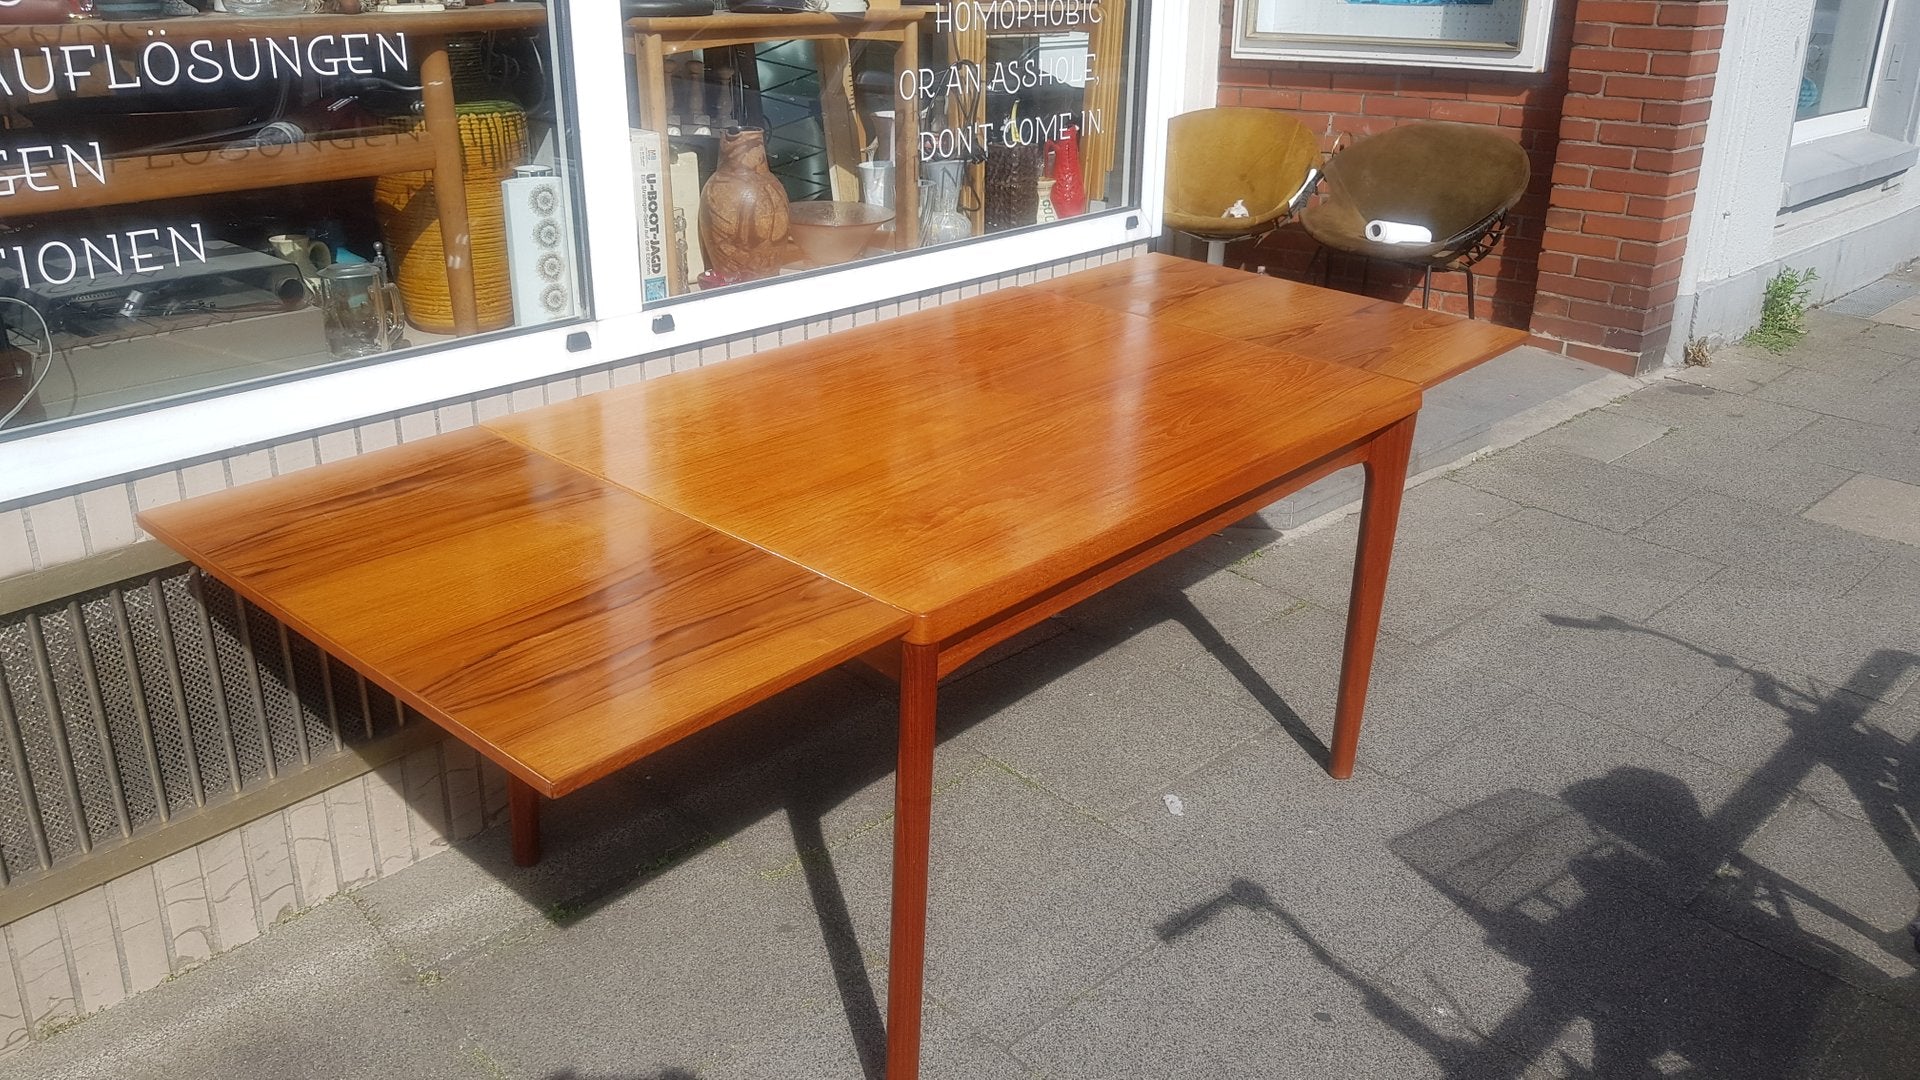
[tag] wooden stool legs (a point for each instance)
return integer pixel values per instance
(912, 818)
(523, 815)
(1379, 517)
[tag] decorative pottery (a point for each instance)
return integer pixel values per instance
(829, 233)
(1046, 212)
(493, 140)
(743, 211)
(1069, 188)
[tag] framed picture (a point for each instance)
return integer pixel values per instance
(1505, 35)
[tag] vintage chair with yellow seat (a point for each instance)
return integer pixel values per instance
(1218, 159)
(1457, 181)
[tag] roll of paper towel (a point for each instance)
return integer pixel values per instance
(1398, 232)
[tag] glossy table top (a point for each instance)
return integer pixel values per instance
(559, 624)
(960, 460)
(1422, 347)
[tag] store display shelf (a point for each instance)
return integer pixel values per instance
(505, 16)
(233, 168)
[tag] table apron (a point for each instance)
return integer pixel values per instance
(959, 648)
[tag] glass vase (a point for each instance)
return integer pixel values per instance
(941, 221)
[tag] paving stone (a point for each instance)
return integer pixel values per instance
(1898, 576)
(1100, 744)
(1517, 379)
(1432, 591)
(1892, 337)
(1288, 672)
(1579, 975)
(1644, 810)
(1857, 447)
(318, 995)
(1871, 1040)
(1428, 590)
(1860, 641)
(1601, 435)
(1740, 465)
(1175, 610)
(1846, 349)
(1873, 506)
(594, 844)
(1870, 300)
(1031, 903)
(1733, 369)
(825, 1049)
(668, 975)
(1323, 496)
(1455, 417)
(1850, 347)
(1902, 382)
(1856, 357)
(801, 773)
(1735, 532)
(1790, 732)
(1566, 559)
(1574, 486)
(1833, 892)
(1865, 401)
(1716, 414)
(1434, 514)
(1578, 655)
(1267, 813)
(1236, 993)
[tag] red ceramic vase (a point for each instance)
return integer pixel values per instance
(1069, 189)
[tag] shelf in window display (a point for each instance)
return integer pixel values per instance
(516, 15)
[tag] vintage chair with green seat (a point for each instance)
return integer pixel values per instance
(1455, 181)
(1219, 159)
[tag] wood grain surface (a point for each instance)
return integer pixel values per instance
(1422, 347)
(560, 625)
(961, 460)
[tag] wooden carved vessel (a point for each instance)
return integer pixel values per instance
(743, 211)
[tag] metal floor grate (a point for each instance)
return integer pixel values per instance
(131, 705)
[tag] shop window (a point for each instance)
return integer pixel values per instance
(1496, 34)
(192, 201)
(1853, 121)
(1837, 79)
(773, 138)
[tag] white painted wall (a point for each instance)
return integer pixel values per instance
(1202, 82)
(1739, 238)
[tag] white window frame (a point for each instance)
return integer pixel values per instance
(1529, 54)
(77, 456)
(1840, 123)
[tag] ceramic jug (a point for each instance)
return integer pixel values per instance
(1069, 187)
(743, 211)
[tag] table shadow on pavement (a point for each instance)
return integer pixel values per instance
(1557, 956)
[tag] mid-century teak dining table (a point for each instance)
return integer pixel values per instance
(572, 588)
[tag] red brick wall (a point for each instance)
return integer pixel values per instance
(1361, 100)
(1639, 91)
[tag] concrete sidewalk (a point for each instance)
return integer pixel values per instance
(1637, 797)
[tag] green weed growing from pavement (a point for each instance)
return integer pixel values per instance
(1783, 311)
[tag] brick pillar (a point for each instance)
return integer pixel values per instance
(1639, 88)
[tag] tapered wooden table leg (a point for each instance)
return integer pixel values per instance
(1379, 517)
(523, 817)
(912, 816)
